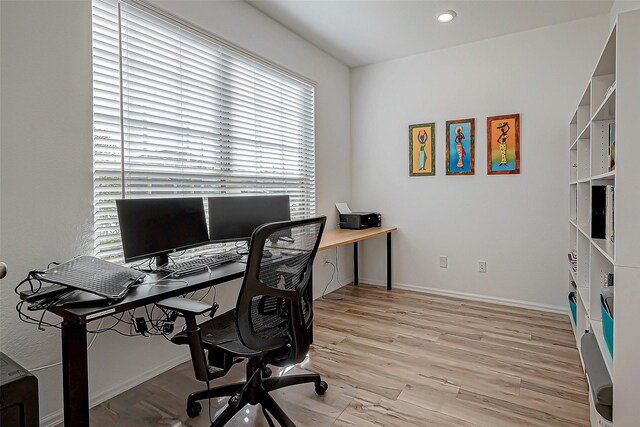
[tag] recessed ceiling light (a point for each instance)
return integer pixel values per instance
(446, 16)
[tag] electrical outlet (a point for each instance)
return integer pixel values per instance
(325, 257)
(482, 266)
(443, 261)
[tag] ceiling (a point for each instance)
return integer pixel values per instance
(361, 32)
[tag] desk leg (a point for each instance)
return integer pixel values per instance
(355, 263)
(388, 261)
(310, 299)
(75, 381)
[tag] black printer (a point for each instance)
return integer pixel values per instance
(360, 220)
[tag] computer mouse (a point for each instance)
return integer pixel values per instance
(266, 254)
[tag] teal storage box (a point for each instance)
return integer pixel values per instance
(607, 326)
(572, 304)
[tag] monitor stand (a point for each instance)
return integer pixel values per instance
(162, 259)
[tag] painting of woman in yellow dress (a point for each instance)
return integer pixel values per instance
(503, 144)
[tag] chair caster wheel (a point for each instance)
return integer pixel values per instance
(321, 388)
(235, 400)
(266, 372)
(193, 409)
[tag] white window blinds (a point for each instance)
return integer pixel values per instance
(176, 113)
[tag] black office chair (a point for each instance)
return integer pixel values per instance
(271, 325)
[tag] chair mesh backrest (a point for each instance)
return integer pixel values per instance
(280, 257)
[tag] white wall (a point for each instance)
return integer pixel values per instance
(517, 223)
(46, 166)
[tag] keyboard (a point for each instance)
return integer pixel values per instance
(200, 264)
(93, 275)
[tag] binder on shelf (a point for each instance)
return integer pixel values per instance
(612, 147)
(599, 211)
(606, 308)
(572, 305)
(610, 210)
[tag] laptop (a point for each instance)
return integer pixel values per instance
(93, 275)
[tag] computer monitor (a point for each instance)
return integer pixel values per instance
(158, 227)
(236, 217)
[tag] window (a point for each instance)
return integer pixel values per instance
(178, 112)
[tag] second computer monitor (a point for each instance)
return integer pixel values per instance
(236, 217)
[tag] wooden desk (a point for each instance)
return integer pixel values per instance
(339, 237)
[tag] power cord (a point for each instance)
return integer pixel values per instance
(330, 280)
(32, 321)
(93, 340)
(336, 273)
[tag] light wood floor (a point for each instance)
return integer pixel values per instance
(402, 358)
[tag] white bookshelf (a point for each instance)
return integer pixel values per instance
(612, 95)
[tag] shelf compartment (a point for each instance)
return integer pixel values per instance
(607, 178)
(583, 273)
(583, 296)
(586, 132)
(573, 164)
(582, 320)
(584, 111)
(583, 159)
(600, 148)
(600, 269)
(573, 327)
(584, 206)
(596, 328)
(573, 129)
(607, 63)
(602, 212)
(573, 246)
(607, 109)
(606, 248)
(582, 231)
(573, 203)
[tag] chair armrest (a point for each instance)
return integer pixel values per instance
(184, 306)
(290, 294)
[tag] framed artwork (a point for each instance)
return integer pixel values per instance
(422, 149)
(461, 157)
(503, 144)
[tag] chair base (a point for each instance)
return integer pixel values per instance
(253, 392)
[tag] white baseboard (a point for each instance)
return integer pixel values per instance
(475, 297)
(57, 416)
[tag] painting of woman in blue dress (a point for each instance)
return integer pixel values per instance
(422, 139)
(422, 149)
